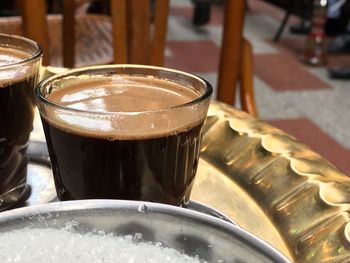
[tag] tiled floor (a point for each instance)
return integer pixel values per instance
(299, 99)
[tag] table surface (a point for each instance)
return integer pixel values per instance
(270, 184)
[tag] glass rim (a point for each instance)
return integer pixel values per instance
(39, 51)
(41, 98)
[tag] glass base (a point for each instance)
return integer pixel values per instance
(16, 197)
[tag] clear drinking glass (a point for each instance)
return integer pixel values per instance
(20, 61)
(124, 131)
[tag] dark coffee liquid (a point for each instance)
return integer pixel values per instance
(158, 166)
(16, 121)
(159, 169)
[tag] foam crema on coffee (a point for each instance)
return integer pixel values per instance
(10, 72)
(122, 107)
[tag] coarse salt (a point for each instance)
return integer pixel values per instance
(49, 245)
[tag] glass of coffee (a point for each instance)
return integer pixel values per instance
(20, 61)
(124, 131)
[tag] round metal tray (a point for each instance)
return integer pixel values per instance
(174, 227)
(274, 186)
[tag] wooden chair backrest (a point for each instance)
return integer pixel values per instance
(34, 23)
(139, 39)
(135, 38)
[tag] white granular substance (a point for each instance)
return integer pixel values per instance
(64, 246)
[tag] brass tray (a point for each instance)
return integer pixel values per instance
(271, 185)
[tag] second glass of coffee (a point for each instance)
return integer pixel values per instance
(124, 132)
(20, 61)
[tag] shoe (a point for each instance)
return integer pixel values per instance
(341, 73)
(341, 44)
(201, 13)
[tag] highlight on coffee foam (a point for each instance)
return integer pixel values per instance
(123, 106)
(9, 74)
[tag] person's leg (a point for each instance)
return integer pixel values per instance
(201, 12)
(341, 44)
(334, 25)
(304, 26)
(334, 8)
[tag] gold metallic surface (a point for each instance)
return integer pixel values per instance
(271, 185)
(274, 186)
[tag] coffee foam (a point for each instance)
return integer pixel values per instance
(126, 107)
(10, 75)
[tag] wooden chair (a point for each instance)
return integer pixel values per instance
(34, 23)
(236, 60)
(132, 37)
(137, 40)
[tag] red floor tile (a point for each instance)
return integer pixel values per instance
(290, 45)
(294, 47)
(193, 56)
(310, 134)
(217, 16)
(283, 72)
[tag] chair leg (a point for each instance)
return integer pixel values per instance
(68, 35)
(284, 21)
(35, 26)
(246, 80)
